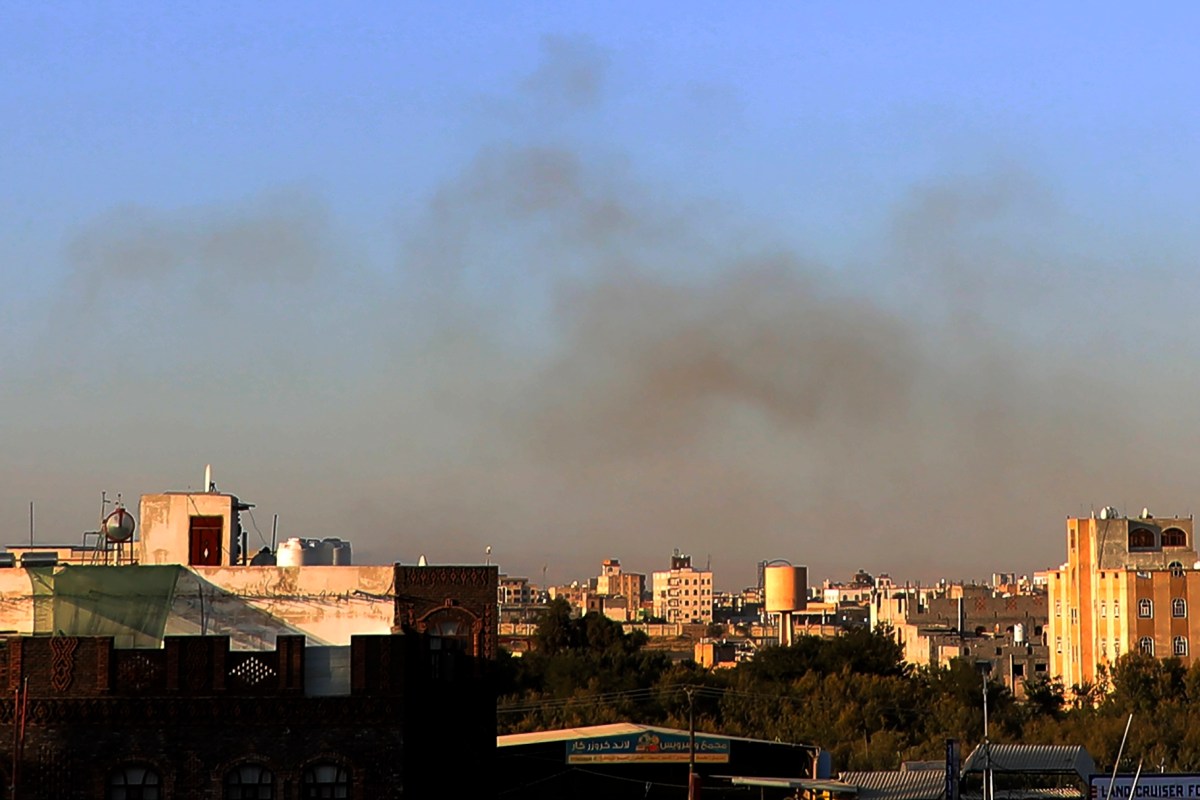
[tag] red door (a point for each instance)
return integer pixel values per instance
(204, 541)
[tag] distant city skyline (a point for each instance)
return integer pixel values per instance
(885, 288)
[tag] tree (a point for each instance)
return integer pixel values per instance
(1045, 696)
(555, 629)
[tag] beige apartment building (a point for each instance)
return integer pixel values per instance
(615, 583)
(1127, 584)
(683, 593)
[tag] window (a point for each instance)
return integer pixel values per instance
(1141, 539)
(1057, 644)
(249, 782)
(1116, 609)
(1145, 608)
(1174, 537)
(449, 634)
(1104, 648)
(1178, 608)
(1103, 609)
(134, 782)
(1146, 645)
(1176, 569)
(325, 781)
(1058, 608)
(1074, 616)
(1116, 647)
(1179, 646)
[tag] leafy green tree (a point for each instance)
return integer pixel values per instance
(1045, 697)
(1144, 683)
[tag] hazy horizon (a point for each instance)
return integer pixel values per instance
(893, 289)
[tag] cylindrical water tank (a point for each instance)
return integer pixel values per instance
(786, 588)
(290, 553)
(1019, 633)
(316, 554)
(341, 554)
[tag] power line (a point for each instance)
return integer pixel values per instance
(254, 522)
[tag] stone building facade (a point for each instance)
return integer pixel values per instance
(195, 719)
(1126, 586)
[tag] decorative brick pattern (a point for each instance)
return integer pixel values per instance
(252, 671)
(62, 664)
(137, 671)
(194, 708)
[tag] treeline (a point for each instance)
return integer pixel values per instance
(853, 695)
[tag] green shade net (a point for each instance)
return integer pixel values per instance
(130, 604)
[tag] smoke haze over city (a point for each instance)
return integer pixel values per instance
(855, 288)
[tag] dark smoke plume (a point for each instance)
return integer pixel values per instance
(570, 364)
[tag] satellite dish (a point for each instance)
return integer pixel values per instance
(118, 526)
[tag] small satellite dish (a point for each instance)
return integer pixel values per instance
(118, 526)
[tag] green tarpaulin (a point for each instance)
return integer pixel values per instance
(130, 604)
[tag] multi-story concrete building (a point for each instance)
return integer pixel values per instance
(857, 590)
(1126, 584)
(197, 674)
(982, 623)
(613, 582)
(513, 591)
(683, 593)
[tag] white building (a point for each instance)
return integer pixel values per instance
(683, 593)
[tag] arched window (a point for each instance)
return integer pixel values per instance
(1176, 569)
(134, 782)
(325, 780)
(249, 782)
(1146, 645)
(1178, 608)
(1146, 608)
(1141, 539)
(1174, 537)
(450, 634)
(1180, 646)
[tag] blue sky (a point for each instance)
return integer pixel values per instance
(1066, 135)
(802, 115)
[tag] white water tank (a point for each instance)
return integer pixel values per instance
(786, 588)
(1019, 633)
(290, 553)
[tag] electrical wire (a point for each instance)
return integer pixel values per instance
(709, 692)
(586, 700)
(254, 522)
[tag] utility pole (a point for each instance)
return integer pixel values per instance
(20, 711)
(988, 793)
(691, 742)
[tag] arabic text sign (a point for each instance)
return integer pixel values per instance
(645, 748)
(1152, 786)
